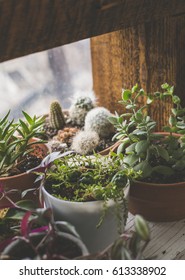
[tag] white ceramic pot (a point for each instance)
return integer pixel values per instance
(85, 216)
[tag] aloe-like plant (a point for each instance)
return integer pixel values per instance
(160, 157)
(15, 140)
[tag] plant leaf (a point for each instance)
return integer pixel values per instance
(130, 148)
(163, 170)
(162, 152)
(66, 227)
(141, 146)
(25, 223)
(131, 159)
(28, 118)
(142, 228)
(126, 95)
(145, 167)
(113, 120)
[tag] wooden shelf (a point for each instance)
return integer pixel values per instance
(31, 26)
(167, 239)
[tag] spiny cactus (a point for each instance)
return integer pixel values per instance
(85, 142)
(97, 120)
(79, 109)
(56, 117)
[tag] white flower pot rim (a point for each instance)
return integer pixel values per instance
(97, 202)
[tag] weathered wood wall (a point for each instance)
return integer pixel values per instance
(32, 26)
(149, 54)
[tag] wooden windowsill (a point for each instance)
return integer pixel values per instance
(167, 240)
(31, 26)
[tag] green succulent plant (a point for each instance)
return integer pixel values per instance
(15, 139)
(160, 157)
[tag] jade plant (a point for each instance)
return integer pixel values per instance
(16, 141)
(160, 156)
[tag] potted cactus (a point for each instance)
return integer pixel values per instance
(81, 105)
(20, 150)
(84, 127)
(89, 192)
(160, 156)
(96, 128)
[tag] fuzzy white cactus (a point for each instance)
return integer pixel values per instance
(85, 142)
(98, 120)
(81, 105)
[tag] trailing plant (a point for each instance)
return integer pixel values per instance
(98, 120)
(56, 117)
(88, 178)
(16, 141)
(160, 157)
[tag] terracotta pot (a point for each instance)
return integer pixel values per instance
(22, 181)
(112, 148)
(85, 217)
(157, 202)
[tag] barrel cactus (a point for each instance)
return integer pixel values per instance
(79, 109)
(56, 117)
(85, 142)
(98, 120)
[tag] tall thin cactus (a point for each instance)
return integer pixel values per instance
(56, 117)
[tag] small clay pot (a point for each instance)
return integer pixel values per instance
(157, 202)
(22, 181)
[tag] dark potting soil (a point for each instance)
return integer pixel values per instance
(28, 162)
(177, 178)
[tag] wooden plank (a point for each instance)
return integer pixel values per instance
(32, 26)
(149, 54)
(167, 239)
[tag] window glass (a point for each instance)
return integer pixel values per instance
(30, 83)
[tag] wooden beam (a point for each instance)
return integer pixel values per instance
(32, 26)
(149, 54)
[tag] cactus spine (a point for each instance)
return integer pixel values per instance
(84, 142)
(98, 120)
(79, 109)
(56, 117)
